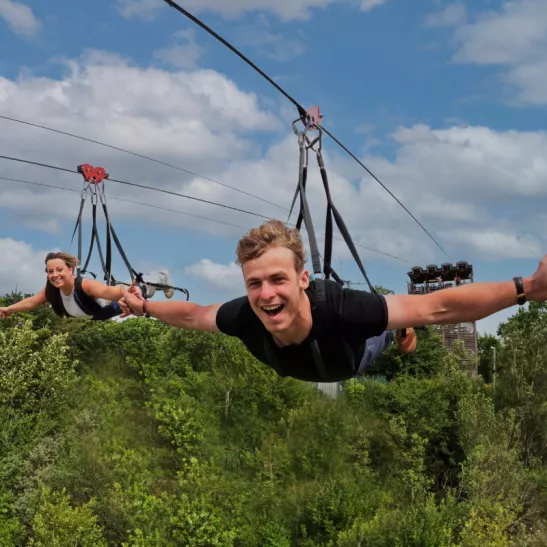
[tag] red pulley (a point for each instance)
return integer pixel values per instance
(93, 175)
(315, 116)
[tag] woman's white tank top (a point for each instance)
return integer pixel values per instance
(72, 307)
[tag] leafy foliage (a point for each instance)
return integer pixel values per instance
(138, 434)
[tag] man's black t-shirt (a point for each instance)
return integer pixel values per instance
(341, 323)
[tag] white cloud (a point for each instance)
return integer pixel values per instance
(514, 39)
(272, 45)
(221, 278)
(457, 181)
(21, 267)
(496, 245)
(19, 17)
(144, 9)
(181, 55)
(367, 5)
(451, 15)
(284, 9)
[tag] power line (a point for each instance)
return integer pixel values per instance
(301, 110)
(126, 201)
(141, 156)
(138, 186)
(173, 210)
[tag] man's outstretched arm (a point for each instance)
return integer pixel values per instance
(465, 303)
(184, 315)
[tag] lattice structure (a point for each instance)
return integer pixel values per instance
(435, 278)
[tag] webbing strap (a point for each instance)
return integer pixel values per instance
(319, 363)
(78, 226)
(108, 277)
(95, 176)
(304, 214)
(331, 209)
(328, 271)
(98, 239)
(110, 230)
(93, 231)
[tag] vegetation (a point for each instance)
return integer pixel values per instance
(136, 434)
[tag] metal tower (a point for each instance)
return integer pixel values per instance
(434, 278)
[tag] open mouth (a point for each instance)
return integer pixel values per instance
(272, 311)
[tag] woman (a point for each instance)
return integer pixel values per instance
(73, 297)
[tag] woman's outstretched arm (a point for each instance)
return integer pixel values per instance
(27, 304)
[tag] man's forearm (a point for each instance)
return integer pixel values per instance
(177, 314)
(473, 301)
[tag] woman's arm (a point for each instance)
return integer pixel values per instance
(27, 304)
(96, 289)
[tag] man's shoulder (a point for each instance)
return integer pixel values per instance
(235, 315)
(346, 303)
(330, 291)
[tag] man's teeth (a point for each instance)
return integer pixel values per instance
(270, 308)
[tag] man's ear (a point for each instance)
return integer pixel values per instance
(304, 279)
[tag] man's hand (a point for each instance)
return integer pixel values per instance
(132, 300)
(535, 286)
(135, 289)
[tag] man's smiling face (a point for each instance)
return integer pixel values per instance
(275, 288)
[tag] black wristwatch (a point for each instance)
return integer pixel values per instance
(521, 295)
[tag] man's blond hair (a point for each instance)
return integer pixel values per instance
(272, 233)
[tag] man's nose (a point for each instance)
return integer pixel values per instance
(267, 292)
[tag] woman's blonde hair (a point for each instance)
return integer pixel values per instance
(273, 233)
(68, 259)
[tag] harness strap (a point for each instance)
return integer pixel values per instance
(272, 357)
(78, 226)
(93, 231)
(94, 177)
(98, 239)
(321, 312)
(310, 122)
(88, 304)
(304, 214)
(110, 230)
(340, 223)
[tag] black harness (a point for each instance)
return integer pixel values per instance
(312, 123)
(320, 327)
(94, 186)
(87, 303)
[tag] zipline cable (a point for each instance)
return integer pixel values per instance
(301, 110)
(184, 213)
(141, 156)
(126, 201)
(137, 186)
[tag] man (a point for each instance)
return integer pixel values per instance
(318, 331)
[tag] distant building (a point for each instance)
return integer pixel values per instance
(434, 278)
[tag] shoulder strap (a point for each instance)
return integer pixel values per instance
(322, 310)
(53, 296)
(272, 357)
(320, 314)
(87, 303)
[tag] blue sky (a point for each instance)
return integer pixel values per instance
(442, 100)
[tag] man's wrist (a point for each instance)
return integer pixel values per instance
(529, 288)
